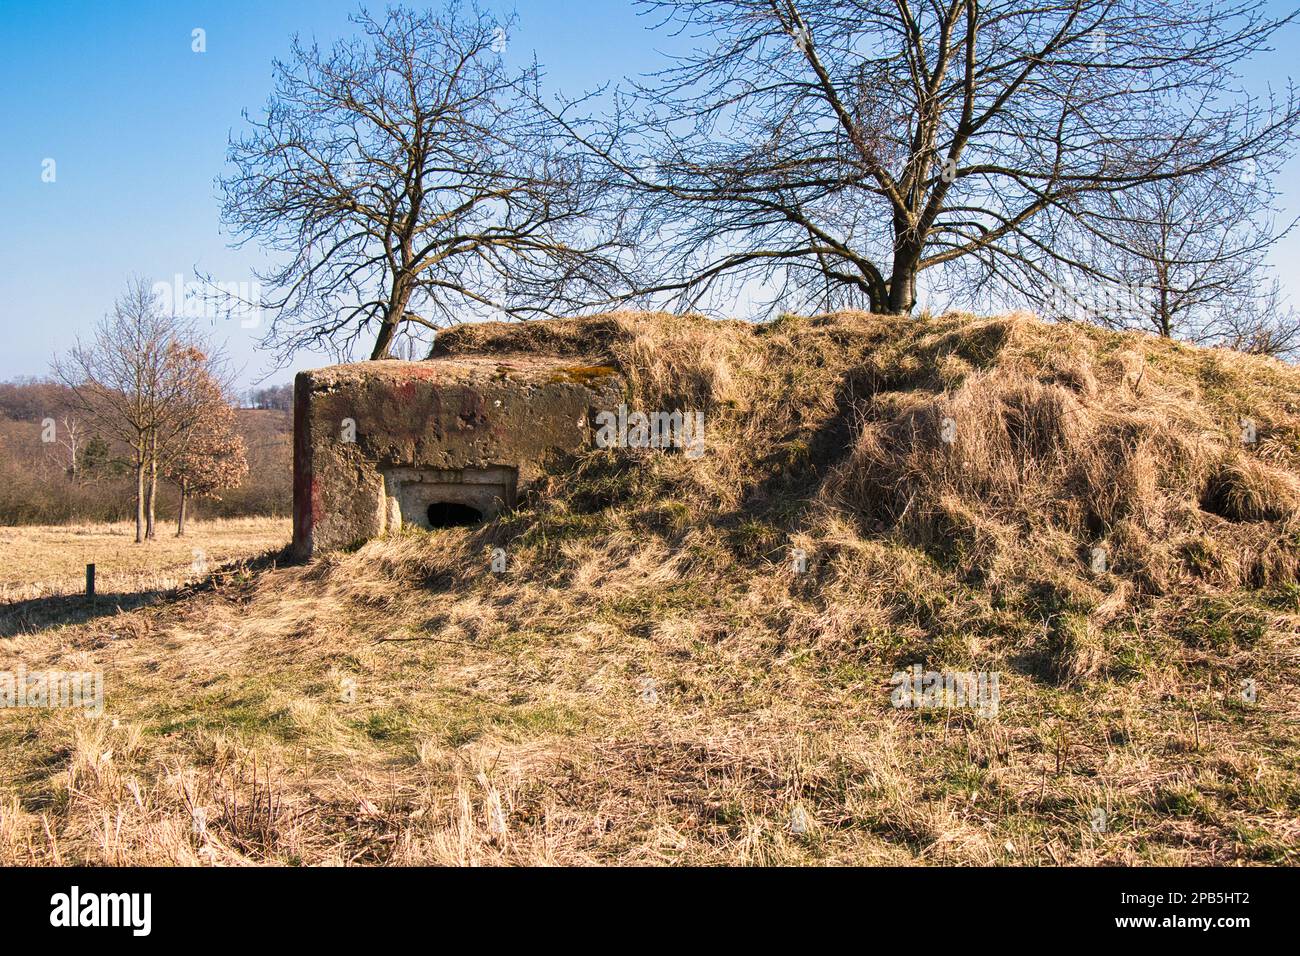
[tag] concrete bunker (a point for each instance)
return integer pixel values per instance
(433, 444)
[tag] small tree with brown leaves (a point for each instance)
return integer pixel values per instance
(208, 456)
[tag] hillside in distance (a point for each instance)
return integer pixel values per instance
(36, 487)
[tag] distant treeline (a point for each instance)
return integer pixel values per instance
(276, 397)
(31, 399)
(54, 469)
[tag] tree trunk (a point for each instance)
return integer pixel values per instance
(150, 531)
(180, 514)
(151, 490)
(902, 278)
(139, 497)
(902, 284)
(392, 322)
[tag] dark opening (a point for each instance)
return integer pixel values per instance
(446, 514)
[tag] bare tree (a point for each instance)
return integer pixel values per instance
(1181, 257)
(411, 178)
(835, 150)
(1261, 322)
(116, 380)
(134, 380)
(70, 444)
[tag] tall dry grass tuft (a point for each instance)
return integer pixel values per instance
(1101, 469)
(1065, 435)
(1241, 488)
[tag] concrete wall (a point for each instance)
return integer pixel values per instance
(376, 442)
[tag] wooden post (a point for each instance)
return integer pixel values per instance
(90, 580)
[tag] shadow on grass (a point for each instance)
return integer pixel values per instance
(59, 610)
(37, 614)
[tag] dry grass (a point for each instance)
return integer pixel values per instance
(651, 682)
(42, 560)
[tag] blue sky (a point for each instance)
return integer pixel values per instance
(137, 124)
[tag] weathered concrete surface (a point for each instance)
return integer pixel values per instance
(377, 443)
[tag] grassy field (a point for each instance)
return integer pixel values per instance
(653, 679)
(43, 560)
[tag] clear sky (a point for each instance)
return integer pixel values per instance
(137, 125)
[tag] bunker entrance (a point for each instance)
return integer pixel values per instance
(447, 498)
(448, 514)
